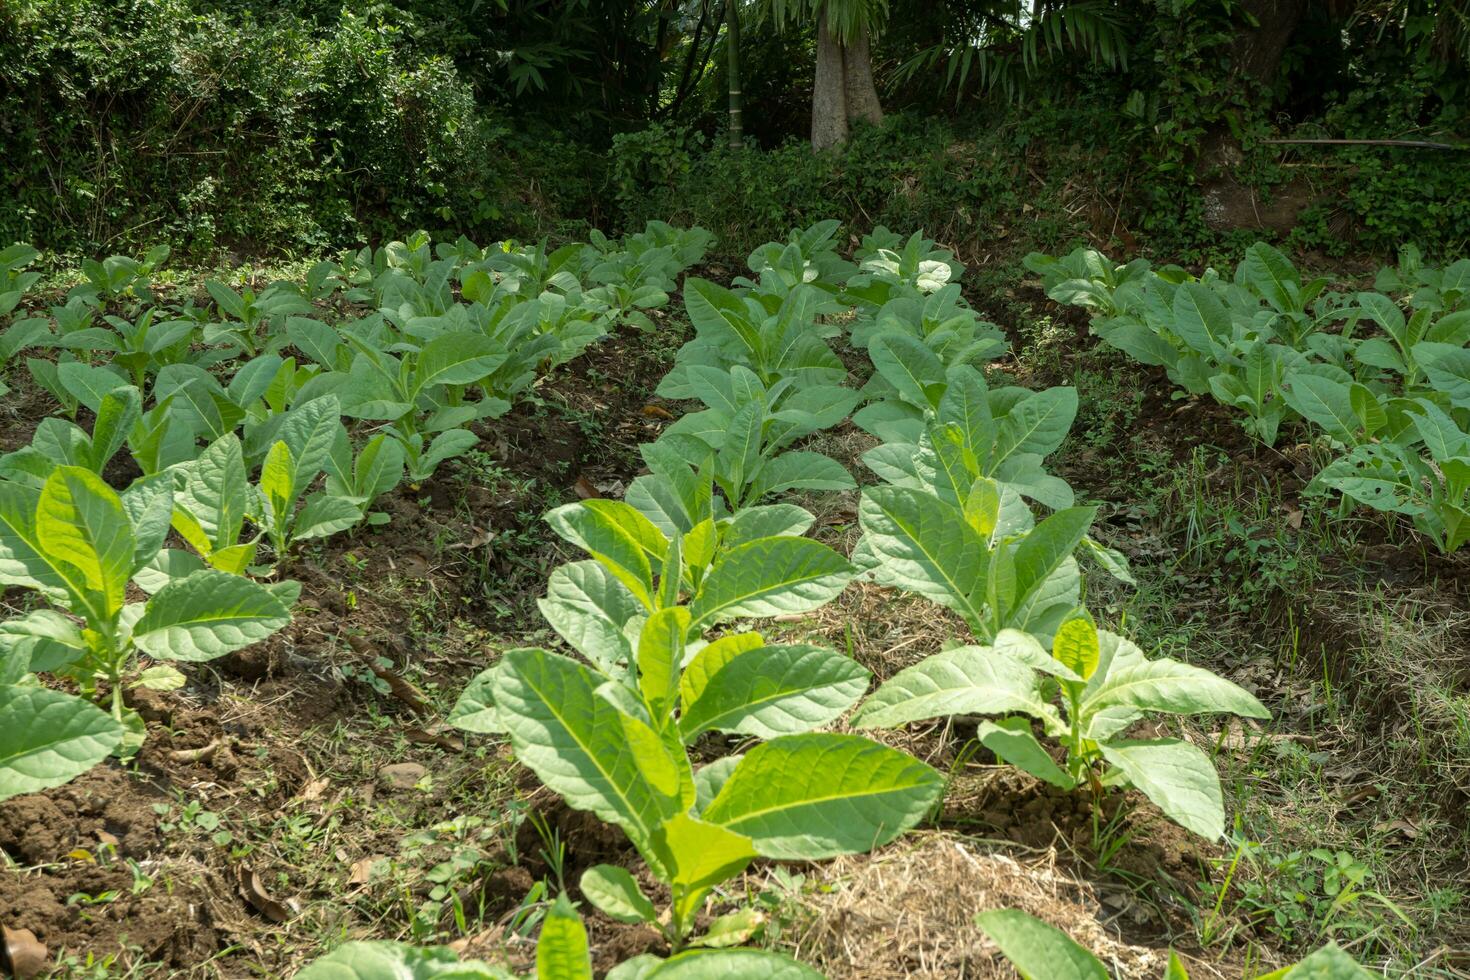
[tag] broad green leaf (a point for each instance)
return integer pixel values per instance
(1172, 687)
(23, 561)
(1048, 545)
(616, 893)
(620, 538)
(324, 515)
(380, 960)
(561, 950)
(591, 609)
(660, 654)
(81, 521)
(1327, 963)
(88, 384)
(207, 615)
(807, 797)
(910, 366)
(770, 577)
(474, 711)
(766, 521)
(730, 964)
(42, 640)
(1036, 424)
(309, 430)
(149, 504)
(215, 494)
(48, 738)
(767, 691)
(1012, 741)
(460, 358)
(698, 854)
(967, 680)
(1076, 647)
(578, 744)
(925, 547)
(1179, 778)
(1037, 950)
(1200, 317)
(1325, 402)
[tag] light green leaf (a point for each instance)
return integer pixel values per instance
(459, 358)
(80, 521)
(42, 640)
(660, 654)
(48, 738)
(207, 615)
(1011, 739)
(23, 561)
(767, 691)
(161, 678)
(1037, 950)
(770, 577)
(561, 951)
(806, 797)
(967, 680)
(1179, 778)
(475, 709)
(591, 609)
(730, 964)
(1172, 687)
(1327, 963)
(1076, 647)
(699, 854)
(616, 893)
(925, 547)
(577, 742)
(399, 961)
(1048, 545)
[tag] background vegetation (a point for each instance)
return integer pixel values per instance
(266, 127)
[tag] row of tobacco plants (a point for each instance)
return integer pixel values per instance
(673, 718)
(223, 433)
(251, 423)
(1380, 378)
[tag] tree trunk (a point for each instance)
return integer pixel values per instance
(829, 91)
(1256, 51)
(1255, 57)
(862, 94)
(732, 68)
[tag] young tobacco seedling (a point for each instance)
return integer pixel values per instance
(945, 429)
(1040, 951)
(58, 442)
(1104, 684)
(1423, 473)
(79, 543)
(562, 953)
(746, 430)
(731, 329)
(615, 739)
(620, 748)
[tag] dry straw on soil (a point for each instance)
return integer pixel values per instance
(910, 912)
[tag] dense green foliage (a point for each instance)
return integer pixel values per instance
(267, 126)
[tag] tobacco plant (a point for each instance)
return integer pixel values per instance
(78, 543)
(1104, 684)
(562, 953)
(747, 429)
(1040, 951)
(731, 329)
